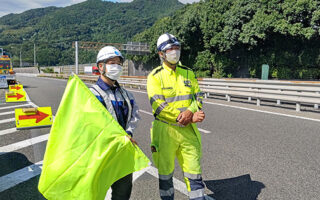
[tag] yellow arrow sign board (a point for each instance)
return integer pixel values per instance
(16, 96)
(33, 117)
(15, 87)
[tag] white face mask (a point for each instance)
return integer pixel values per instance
(113, 71)
(173, 56)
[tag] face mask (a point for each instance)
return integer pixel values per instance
(173, 56)
(113, 71)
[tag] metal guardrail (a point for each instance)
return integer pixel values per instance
(289, 91)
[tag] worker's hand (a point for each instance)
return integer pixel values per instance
(132, 140)
(198, 116)
(185, 117)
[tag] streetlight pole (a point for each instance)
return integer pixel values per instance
(20, 59)
(76, 56)
(34, 54)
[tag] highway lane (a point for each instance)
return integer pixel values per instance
(247, 155)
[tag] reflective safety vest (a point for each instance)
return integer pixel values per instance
(122, 96)
(171, 92)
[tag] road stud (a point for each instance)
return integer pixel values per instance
(15, 87)
(27, 118)
(17, 96)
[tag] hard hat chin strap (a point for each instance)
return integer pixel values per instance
(104, 69)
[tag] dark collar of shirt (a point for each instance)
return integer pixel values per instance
(104, 86)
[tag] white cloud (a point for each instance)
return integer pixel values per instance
(18, 6)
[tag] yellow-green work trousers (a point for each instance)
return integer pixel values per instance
(170, 141)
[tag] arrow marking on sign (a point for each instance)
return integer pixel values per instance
(14, 87)
(18, 96)
(39, 116)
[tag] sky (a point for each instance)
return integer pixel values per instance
(18, 6)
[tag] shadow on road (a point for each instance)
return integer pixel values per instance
(20, 190)
(13, 161)
(237, 188)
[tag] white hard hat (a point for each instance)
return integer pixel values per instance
(166, 41)
(108, 52)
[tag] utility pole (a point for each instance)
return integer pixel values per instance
(20, 59)
(34, 54)
(77, 62)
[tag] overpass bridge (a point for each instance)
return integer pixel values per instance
(249, 152)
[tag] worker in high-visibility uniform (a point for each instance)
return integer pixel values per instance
(176, 102)
(120, 103)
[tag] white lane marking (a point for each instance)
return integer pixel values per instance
(23, 144)
(16, 106)
(137, 174)
(200, 129)
(145, 112)
(7, 113)
(250, 109)
(203, 131)
(136, 91)
(8, 131)
(7, 120)
(268, 112)
(177, 184)
(10, 180)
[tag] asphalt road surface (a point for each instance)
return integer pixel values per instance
(248, 152)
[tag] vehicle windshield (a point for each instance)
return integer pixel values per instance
(4, 64)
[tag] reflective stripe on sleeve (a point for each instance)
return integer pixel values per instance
(161, 107)
(156, 97)
(183, 109)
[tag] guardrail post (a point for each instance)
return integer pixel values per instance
(298, 107)
(226, 94)
(316, 106)
(249, 98)
(278, 101)
(228, 98)
(258, 102)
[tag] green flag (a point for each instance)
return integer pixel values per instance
(87, 149)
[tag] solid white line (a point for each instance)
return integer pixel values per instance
(149, 113)
(10, 180)
(8, 131)
(204, 131)
(7, 120)
(268, 112)
(7, 113)
(136, 91)
(16, 106)
(23, 144)
(250, 109)
(146, 112)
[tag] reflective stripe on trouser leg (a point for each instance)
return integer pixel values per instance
(166, 187)
(195, 186)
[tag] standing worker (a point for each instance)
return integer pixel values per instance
(176, 102)
(119, 102)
